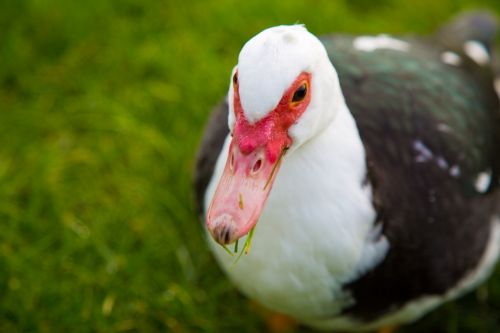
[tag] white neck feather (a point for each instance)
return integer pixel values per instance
(316, 231)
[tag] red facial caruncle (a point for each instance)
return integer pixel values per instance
(253, 161)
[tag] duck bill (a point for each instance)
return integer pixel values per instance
(241, 194)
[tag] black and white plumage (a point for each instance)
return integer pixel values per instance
(387, 201)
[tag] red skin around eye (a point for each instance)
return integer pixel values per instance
(272, 130)
(252, 164)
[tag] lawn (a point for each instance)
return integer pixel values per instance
(102, 105)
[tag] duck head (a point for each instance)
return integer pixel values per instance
(283, 92)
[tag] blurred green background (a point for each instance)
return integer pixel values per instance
(102, 105)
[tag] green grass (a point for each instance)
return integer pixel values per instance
(102, 105)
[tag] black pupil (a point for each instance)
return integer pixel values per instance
(235, 78)
(300, 93)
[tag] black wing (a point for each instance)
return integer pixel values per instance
(429, 130)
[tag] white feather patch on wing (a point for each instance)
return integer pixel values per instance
(451, 58)
(482, 182)
(477, 52)
(372, 43)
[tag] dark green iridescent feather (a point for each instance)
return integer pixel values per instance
(452, 109)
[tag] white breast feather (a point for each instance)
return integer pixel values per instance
(315, 233)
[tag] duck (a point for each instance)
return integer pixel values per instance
(359, 175)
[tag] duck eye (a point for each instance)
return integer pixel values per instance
(235, 78)
(300, 93)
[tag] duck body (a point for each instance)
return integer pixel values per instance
(393, 206)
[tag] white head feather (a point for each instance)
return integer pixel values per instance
(270, 62)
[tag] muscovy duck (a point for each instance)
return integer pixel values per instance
(371, 164)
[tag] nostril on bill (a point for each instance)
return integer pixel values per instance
(231, 162)
(257, 165)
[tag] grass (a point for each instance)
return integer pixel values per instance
(102, 104)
